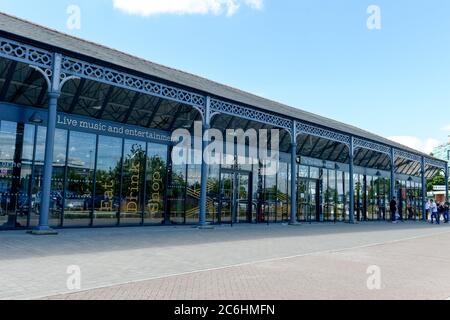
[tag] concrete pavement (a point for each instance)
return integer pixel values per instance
(244, 262)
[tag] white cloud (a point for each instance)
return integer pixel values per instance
(446, 128)
(155, 7)
(426, 146)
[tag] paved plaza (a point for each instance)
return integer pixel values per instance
(244, 262)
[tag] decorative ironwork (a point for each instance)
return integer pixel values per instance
(407, 155)
(218, 106)
(109, 76)
(369, 145)
(43, 61)
(25, 53)
(436, 163)
(322, 133)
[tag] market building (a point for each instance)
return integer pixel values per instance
(86, 141)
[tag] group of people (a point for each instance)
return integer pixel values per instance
(437, 210)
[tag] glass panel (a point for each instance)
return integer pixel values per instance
(193, 194)
(107, 186)
(358, 182)
(331, 196)
(378, 214)
(80, 174)
(382, 198)
(402, 207)
(314, 173)
(242, 192)
(320, 199)
(132, 182)
(213, 192)
(303, 171)
(340, 197)
(59, 162)
(257, 194)
(303, 205)
(156, 183)
(347, 196)
(312, 201)
(327, 193)
(227, 197)
(370, 198)
(24, 197)
(16, 143)
(177, 194)
(420, 201)
(387, 199)
(270, 197)
(283, 193)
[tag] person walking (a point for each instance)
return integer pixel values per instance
(434, 212)
(410, 210)
(441, 211)
(446, 211)
(393, 209)
(427, 209)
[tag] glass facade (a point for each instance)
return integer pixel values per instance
(103, 180)
(132, 200)
(80, 168)
(372, 197)
(16, 157)
(156, 181)
(409, 195)
(107, 182)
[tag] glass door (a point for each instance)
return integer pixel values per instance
(243, 194)
(302, 200)
(313, 201)
(235, 201)
(226, 197)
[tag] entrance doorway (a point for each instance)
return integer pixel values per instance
(235, 197)
(309, 193)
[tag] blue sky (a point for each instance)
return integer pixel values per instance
(317, 55)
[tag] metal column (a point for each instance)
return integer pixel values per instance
(54, 86)
(446, 182)
(393, 194)
(204, 169)
(351, 183)
(293, 218)
(424, 190)
(48, 163)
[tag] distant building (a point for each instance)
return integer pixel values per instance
(440, 152)
(443, 151)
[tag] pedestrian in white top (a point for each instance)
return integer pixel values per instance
(434, 212)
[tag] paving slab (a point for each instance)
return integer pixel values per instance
(246, 261)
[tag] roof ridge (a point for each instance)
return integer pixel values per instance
(134, 56)
(264, 103)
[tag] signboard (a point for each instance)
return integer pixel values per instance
(70, 121)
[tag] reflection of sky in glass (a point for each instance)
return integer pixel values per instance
(7, 140)
(81, 150)
(8, 136)
(109, 152)
(27, 152)
(59, 156)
